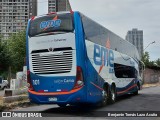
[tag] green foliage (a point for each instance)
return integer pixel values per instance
(4, 56)
(145, 58)
(158, 61)
(16, 49)
(4, 74)
(148, 63)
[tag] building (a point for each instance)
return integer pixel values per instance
(33, 8)
(135, 37)
(52, 6)
(58, 5)
(14, 15)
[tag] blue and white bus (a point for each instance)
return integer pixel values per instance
(72, 60)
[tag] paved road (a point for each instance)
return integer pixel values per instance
(147, 100)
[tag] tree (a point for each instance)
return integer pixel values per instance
(145, 59)
(158, 61)
(4, 56)
(151, 64)
(17, 51)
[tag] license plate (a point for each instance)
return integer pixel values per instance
(52, 99)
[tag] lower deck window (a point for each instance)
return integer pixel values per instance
(123, 71)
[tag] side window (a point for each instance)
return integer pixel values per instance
(123, 71)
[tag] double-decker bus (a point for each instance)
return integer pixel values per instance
(71, 59)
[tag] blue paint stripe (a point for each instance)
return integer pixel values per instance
(27, 46)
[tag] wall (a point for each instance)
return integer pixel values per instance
(151, 75)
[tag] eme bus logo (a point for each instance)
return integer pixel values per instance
(50, 23)
(103, 56)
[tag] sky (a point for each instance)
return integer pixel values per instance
(119, 16)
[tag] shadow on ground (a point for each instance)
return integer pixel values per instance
(82, 110)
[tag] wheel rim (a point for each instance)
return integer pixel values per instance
(137, 87)
(104, 94)
(113, 95)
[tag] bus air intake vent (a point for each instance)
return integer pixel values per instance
(54, 62)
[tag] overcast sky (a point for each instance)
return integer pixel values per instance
(119, 16)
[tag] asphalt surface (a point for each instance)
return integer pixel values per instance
(147, 100)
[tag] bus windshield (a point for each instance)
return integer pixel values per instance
(51, 23)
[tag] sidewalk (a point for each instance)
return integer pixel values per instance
(150, 85)
(15, 105)
(10, 102)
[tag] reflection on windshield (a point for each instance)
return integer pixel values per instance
(52, 24)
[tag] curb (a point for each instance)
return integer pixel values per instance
(11, 99)
(10, 102)
(14, 105)
(150, 85)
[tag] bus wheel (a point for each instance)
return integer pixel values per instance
(112, 95)
(136, 92)
(104, 98)
(4, 87)
(62, 105)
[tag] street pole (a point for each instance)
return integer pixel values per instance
(149, 45)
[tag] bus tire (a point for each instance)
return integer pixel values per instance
(62, 105)
(104, 98)
(112, 95)
(4, 87)
(136, 92)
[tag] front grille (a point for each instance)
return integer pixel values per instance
(52, 63)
